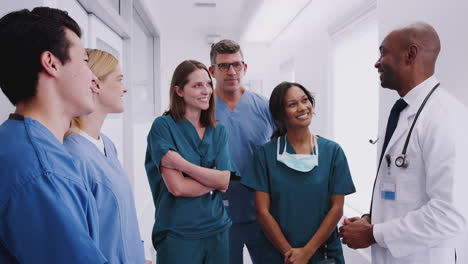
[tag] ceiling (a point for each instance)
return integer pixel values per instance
(232, 18)
(227, 17)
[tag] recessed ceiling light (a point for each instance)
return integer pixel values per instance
(205, 4)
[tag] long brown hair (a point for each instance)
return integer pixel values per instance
(177, 104)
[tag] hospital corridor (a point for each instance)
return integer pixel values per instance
(238, 131)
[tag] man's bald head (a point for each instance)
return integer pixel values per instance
(425, 38)
(408, 56)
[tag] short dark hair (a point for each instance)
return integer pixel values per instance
(224, 46)
(24, 36)
(277, 106)
(177, 103)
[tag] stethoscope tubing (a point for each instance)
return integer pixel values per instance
(403, 161)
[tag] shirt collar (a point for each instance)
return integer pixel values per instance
(99, 143)
(416, 96)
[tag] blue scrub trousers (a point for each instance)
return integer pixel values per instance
(249, 234)
(210, 250)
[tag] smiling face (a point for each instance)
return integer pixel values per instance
(297, 107)
(111, 92)
(197, 92)
(390, 65)
(76, 79)
(230, 79)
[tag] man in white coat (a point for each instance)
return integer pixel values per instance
(418, 213)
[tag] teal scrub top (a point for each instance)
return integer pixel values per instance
(186, 217)
(301, 200)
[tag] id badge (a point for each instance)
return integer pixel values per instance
(327, 261)
(387, 191)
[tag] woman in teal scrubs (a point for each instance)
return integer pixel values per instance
(188, 166)
(300, 181)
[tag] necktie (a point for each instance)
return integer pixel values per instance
(399, 105)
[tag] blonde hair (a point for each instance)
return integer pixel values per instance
(101, 64)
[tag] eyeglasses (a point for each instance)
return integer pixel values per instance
(224, 67)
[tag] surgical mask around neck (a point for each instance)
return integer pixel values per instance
(298, 162)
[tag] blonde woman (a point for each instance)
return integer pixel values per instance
(96, 155)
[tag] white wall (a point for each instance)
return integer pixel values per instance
(9, 6)
(305, 42)
(354, 103)
(142, 111)
(175, 48)
(256, 56)
(310, 53)
(76, 12)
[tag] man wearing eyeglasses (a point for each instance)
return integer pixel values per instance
(247, 119)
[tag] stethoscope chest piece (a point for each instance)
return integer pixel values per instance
(401, 161)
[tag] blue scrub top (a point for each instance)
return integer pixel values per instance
(248, 126)
(185, 217)
(48, 214)
(301, 200)
(120, 239)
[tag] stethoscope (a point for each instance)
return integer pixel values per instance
(401, 161)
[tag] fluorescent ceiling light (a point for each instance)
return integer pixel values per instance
(271, 18)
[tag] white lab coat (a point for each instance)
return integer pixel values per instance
(424, 222)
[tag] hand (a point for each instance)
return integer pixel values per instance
(348, 221)
(297, 256)
(357, 233)
(172, 160)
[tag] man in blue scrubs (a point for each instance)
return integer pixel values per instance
(47, 211)
(248, 122)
